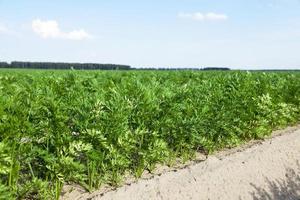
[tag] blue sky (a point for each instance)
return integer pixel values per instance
(158, 33)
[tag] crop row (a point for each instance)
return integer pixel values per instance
(92, 128)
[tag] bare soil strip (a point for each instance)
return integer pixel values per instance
(268, 169)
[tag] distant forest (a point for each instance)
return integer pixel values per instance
(87, 66)
(57, 65)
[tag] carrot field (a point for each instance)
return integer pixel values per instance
(93, 127)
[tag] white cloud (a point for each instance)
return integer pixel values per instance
(4, 29)
(198, 16)
(50, 29)
(7, 30)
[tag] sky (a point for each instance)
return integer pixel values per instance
(240, 34)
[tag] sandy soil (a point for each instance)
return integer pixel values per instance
(268, 169)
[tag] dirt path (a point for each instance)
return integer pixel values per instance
(264, 170)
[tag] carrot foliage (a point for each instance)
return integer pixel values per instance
(92, 128)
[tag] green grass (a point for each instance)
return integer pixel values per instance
(91, 128)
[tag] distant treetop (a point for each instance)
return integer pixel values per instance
(58, 65)
(90, 66)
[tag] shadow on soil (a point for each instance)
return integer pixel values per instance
(284, 189)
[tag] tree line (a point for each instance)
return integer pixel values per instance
(89, 66)
(184, 68)
(61, 65)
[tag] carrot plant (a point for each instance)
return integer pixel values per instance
(92, 128)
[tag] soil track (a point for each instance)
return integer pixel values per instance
(268, 169)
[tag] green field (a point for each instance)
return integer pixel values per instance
(92, 127)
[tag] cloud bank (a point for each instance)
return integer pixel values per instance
(50, 29)
(198, 16)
